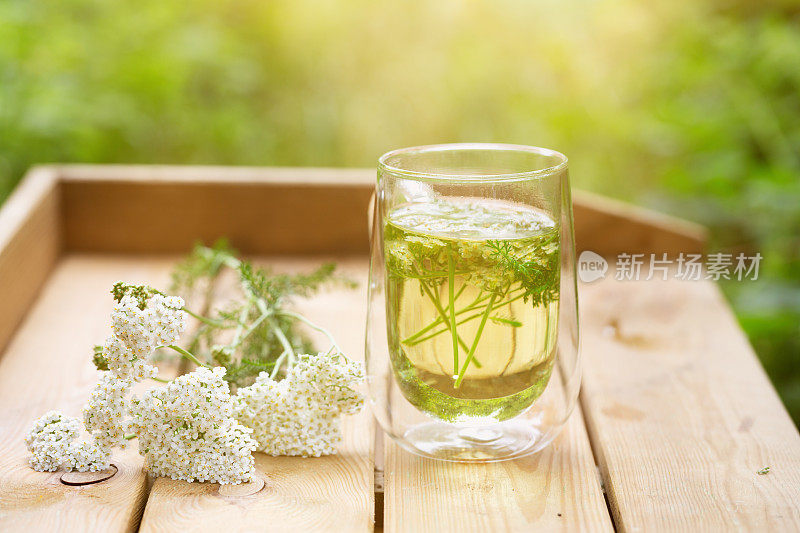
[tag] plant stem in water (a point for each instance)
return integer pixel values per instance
(443, 314)
(451, 282)
(443, 318)
(415, 339)
(478, 334)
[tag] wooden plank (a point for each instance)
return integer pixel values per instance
(332, 493)
(167, 209)
(193, 174)
(30, 242)
(48, 366)
(555, 489)
(307, 210)
(681, 413)
(610, 227)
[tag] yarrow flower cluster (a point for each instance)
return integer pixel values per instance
(139, 329)
(300, 414)
(105, 412)
(186, 430)
(192, 428)
(51, 442)
(139, 326)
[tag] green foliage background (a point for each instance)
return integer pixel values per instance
(688, 106)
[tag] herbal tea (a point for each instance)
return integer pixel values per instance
(472, 305)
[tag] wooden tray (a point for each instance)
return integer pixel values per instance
(676, 413)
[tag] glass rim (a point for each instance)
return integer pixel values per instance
(561, 163)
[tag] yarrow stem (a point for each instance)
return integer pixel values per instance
(278, 364)
(451, 283)
(442, 313)
(240, 335)
(187, 355)
(201, 318)
(253, 327)
(471, 354)
(287, 346)
(416, 339)
(310, 324)
(240, 328)
(411, 340)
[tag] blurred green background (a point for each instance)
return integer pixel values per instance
(691, 107)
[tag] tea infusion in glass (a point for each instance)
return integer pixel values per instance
(472, 324)
(472, 305)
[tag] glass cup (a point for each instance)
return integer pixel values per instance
(472, 323)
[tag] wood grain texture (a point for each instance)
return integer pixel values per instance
(681, 413)
(556, 489)
(261, 211)
(333, 493)
(116, 208)
(610, 227)
(30, 242)
(48, 366)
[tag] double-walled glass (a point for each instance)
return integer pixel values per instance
(472, 326)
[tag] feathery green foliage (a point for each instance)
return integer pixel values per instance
(253, 332)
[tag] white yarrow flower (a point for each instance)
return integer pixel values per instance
(192, 428)
(137, 332)
(300, 415)
(105, 412)
(187, 431)
(51, 443)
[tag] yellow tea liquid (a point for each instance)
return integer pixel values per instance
(472, 305)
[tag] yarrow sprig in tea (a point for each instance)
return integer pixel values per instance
(472, 290)
(194, 428)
